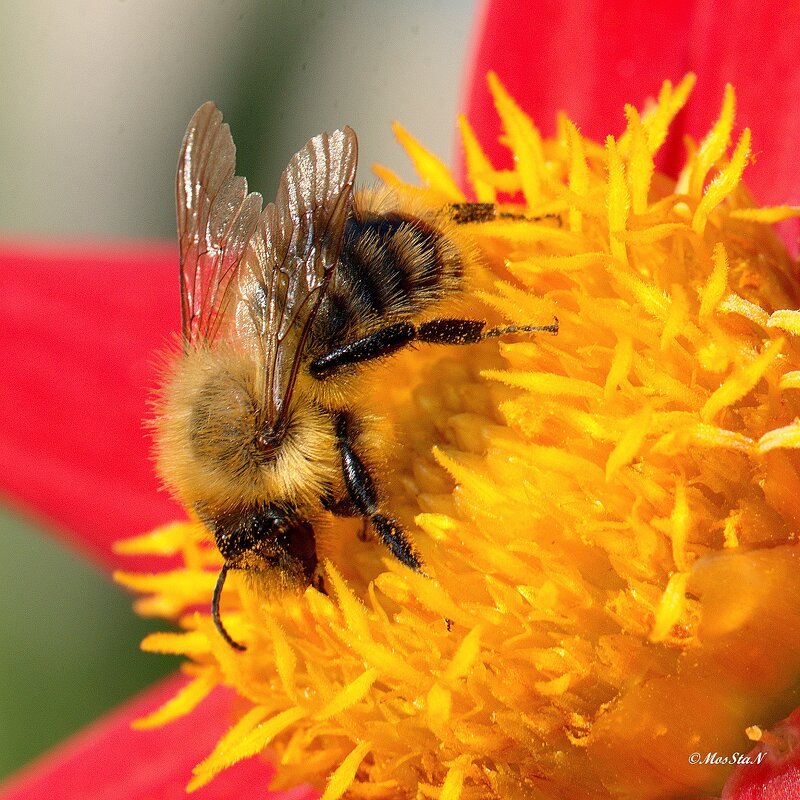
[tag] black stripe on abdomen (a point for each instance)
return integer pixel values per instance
(391, 269)
(391, 265)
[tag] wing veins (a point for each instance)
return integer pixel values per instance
(292, 258)
(216, 219)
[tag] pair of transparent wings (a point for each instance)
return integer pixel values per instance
(259, 275)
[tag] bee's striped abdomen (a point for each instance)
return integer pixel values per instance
(391, 268)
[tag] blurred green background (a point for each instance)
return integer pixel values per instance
(95, 96)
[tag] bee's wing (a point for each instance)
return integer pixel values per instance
(290, 261)
(216, 219)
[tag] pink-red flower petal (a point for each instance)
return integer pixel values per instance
(110, 761)
(774, 771)
(79, 330)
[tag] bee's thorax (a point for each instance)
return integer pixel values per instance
(213, 446)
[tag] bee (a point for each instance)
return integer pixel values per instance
(258, 429)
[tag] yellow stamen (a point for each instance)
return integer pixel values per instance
(524, 140)
(430, 168)
(183, 703)
(477, 163)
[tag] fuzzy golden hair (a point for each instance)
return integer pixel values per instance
(206, 438)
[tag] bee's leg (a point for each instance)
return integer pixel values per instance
(388, 340)
(462, 213)
(472, 212)
(363, 531)
(347, 508)
(470, 331)
(361, 489)
(379, 344)
(215, 610)
(341, 508)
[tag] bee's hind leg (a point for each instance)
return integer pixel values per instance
(463, 213)
(389, 340)
(363, 494)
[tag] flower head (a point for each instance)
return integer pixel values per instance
(606, 517)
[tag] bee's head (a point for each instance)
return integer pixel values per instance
(265, 539)
(266, 542)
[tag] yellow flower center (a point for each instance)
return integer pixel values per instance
(608, 516)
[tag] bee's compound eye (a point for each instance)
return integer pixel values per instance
(300, 543)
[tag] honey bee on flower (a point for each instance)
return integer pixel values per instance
(259, 428)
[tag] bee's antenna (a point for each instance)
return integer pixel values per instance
(215, 610)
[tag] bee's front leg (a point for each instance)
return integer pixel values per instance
(364, 497)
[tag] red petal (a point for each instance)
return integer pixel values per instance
(79, 327)
(589, 57)
(774, 771)
(110, 761)
(586, 57)
(754, 46)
